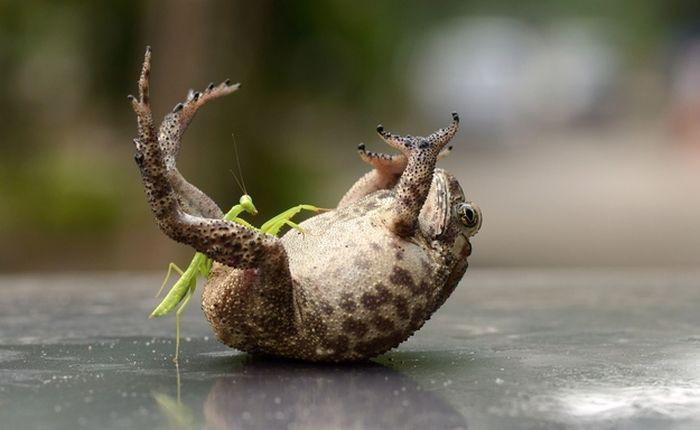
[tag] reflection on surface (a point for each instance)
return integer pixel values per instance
(131, 382)
(270, 394)
(178, 415)
(515, 350)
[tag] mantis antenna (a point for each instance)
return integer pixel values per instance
(241, 181)
(238, 162)
(238, 182)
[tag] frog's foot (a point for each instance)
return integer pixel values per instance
(193, 200)
(409, 144)
(391, 163)
(386, 163)
(414, 184)
(177, 121)
(387, 171)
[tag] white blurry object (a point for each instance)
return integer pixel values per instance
(505, 77)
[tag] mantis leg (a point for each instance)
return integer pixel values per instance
(295, 226)
(275, 228)
(180, 310)
(178, 292)
(233, 212)
(171, 267)
(244, 223)
(274, 224)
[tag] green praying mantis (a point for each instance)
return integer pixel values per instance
(182, 291)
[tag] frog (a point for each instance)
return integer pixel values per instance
(348, 284)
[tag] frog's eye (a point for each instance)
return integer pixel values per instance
(469, 214)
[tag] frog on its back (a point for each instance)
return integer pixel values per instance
(355, 282)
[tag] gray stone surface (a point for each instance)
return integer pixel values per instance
(510, 350)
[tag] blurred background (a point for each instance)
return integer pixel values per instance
(580, 136)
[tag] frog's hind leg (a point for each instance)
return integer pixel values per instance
(414, 184)
(385, 175)
(267, 308)
(224, 241)
(193, 200)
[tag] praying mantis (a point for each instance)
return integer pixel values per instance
(182, 291)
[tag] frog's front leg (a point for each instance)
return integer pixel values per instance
(385, 175)
(412, 188)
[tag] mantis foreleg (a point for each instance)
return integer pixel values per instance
(234, 212)
(181, 287)
(243, 222)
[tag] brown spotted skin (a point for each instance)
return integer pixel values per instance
(355, 283)
(358, 290)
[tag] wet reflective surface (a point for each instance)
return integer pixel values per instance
(510, 350)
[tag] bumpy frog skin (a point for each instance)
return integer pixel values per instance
(359, 279)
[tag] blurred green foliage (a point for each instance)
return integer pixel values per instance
(317, 76)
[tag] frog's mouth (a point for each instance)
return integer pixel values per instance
(462, 248)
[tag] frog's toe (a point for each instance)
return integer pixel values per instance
(402, 143)
(390, 163)
(445, 152)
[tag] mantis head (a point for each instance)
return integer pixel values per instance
(247, 204)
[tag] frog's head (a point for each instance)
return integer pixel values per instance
(447, 216)
(448, 220)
